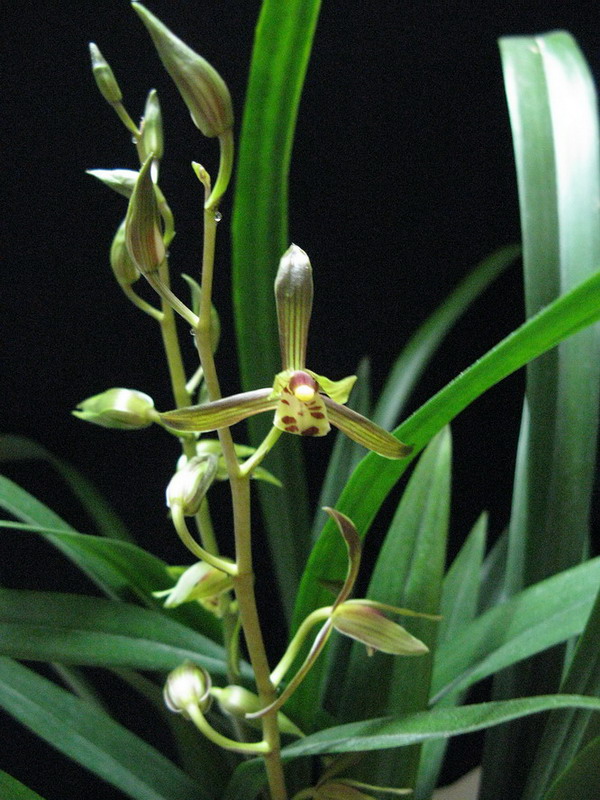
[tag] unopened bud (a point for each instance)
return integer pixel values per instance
(123, 267)
(125, 409)
(104, 77)
(188, 685)
(121, 181)
(142, 224)
(198, 582)
(152, 139)
(190, 483)
(238, 701)
(368, 625)
(200, 85)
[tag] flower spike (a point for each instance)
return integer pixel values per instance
(305, 403)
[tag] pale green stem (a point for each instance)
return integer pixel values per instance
(261, 451)
(170, 299)
(240, 497)
(248, 748)
(192, 545)
(126, 119)
(156, 313)
(294, 646)
(205, 528)
(225, 167)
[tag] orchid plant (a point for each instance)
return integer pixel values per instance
(366, 714)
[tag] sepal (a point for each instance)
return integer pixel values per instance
(365, 432)
(143, 234)
(219, 414)
(293, 297)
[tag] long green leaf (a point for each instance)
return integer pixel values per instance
(460, 593)
(122, 570)
(92, 738)
(282, 45)
(553, 114)
(374, 476)
(564, 731)
(12, 789)
(408, 573)
(76, 629)
(533, 620)
(19, 448)
(417, 352)
(389, 732)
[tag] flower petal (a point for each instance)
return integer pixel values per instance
(293, 296)
(299, 417)
(221, 413)
(348, 530)
(365, 432)
(337, 390)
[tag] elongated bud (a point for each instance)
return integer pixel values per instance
(122, 181)
(104, 77)
(198, 582)
(293, 296)
(369, 626)
(125, 409)
(200, 85)
(152, 139)
(190, 483)
(188, 685)
(124, 269)
(142, 224)
(238, 701)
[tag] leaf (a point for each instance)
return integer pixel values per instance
(460, 594)
(19, 448)
(417, 352)
(374, 477)
(537, 618)
(389, 732)
(75, 629)
(282, 45)
(92, 738)
(553, 114)
(582, 777)
(564, 731)
(12, 789)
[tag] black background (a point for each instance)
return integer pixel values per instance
(402, 179)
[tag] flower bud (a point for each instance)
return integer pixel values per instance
(188, 685)
(190, 483)
(293, 296)
(123, 267)
(125, 409)
(238, 701)
(142, 224)
(104, 77)
(198, 582)
(121, 181)
(200, 85)
(368, 625)
(152, 139)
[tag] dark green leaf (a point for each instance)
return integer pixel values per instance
(12, 789)
(581, 779)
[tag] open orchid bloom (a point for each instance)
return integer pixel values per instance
(305, 403)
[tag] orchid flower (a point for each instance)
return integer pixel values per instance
(305, 403)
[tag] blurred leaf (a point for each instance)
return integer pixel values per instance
(282, 45)
(554, 120)
(388, 732)
(92, 738)
(19, 448)
(417, 352)
(12, 789)
(460, 593)
(76, 629)
(533, 620)
(581, 779)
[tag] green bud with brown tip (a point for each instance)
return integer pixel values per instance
(104, 76)
(203, 90)
(143, 235)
